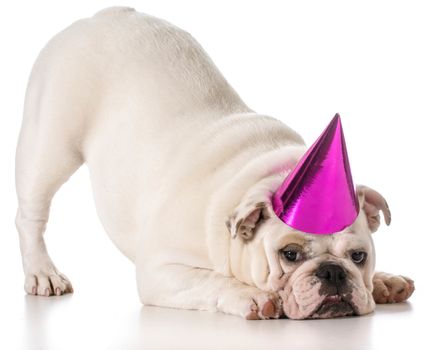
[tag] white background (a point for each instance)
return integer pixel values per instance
(301, 62)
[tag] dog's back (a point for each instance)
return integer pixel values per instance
(127, 65)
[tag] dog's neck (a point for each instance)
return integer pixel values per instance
(264, 172)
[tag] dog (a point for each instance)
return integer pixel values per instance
(182, 173)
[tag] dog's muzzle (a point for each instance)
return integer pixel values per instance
(335, 287)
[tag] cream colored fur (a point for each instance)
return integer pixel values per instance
(176, 160)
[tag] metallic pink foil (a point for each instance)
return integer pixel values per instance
(318, 196)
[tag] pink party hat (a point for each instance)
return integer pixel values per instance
(318, 196)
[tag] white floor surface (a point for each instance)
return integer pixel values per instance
(106, 319)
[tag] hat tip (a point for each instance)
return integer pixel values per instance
(337, 121)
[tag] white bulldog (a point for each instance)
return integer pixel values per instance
(182, 172)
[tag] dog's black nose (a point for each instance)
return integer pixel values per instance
(332, 274)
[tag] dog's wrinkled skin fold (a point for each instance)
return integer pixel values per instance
(182, 173)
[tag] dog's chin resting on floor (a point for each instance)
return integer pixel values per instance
(182, 173)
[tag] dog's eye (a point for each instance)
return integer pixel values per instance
(359, 257)
(292, 253)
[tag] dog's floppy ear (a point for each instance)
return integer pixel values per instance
(372, 202)
(245, 219)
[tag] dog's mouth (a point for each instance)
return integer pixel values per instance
(334, 306)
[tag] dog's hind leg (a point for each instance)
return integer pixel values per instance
(46, 157)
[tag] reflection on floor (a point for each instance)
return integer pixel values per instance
(80, 322)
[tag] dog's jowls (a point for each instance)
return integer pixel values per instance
(182, 173)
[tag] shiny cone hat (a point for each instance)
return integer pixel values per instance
(318, 196)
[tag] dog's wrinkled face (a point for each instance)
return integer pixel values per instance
(324, 276)
(316, 276)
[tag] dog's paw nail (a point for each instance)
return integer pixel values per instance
(47, 292)
(58, 291)
(269, 309)
(34, 291)
(252, 316)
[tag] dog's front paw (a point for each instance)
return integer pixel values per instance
(265, 306)
(391, 288)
